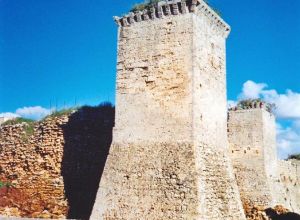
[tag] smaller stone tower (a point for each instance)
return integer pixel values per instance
(252, 141)
(262, 178)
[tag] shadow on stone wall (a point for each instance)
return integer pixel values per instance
(287, 216)
(88, 136)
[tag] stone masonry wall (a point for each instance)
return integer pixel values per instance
(287, 184)
(56, 170)
(153, 89)
(34, 168)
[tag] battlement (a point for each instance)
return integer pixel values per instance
(252, 104)
(172, 8)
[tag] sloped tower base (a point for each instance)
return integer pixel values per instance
(167, 181)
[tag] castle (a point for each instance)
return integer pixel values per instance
(171, 156)
(176, 151)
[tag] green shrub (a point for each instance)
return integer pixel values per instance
(28, 128)
(18, 121)
(138, 7)
(5, 185)
(71, 110)
(294, 157)
(247, 103)
(62, 112)
(147, 4)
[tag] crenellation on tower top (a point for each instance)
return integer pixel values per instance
(193, 5)
(253, 104)
(152, 13)
(172, 8)
(184, 9)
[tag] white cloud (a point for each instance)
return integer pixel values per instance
(9, 115)
(36, 112)
(288, 140)
(231, 103)
(287, 108)
(287, 104)
(252, 90)
(296, 124)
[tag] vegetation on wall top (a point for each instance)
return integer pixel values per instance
(57, 113)
(248, 103)
(144, 5)
(294, 157)
(18, 121)
(28, 125)
(28, 128)
(147, 4)
(62, 112)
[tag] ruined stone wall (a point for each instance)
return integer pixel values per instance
(55, 171)
(168, 159)
(33, 165)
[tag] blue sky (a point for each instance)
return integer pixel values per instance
(58, 53)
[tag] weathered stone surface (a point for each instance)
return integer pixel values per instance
(33, 165)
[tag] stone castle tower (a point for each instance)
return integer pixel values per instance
(262, 178)
(169, 157)
(252, 140)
